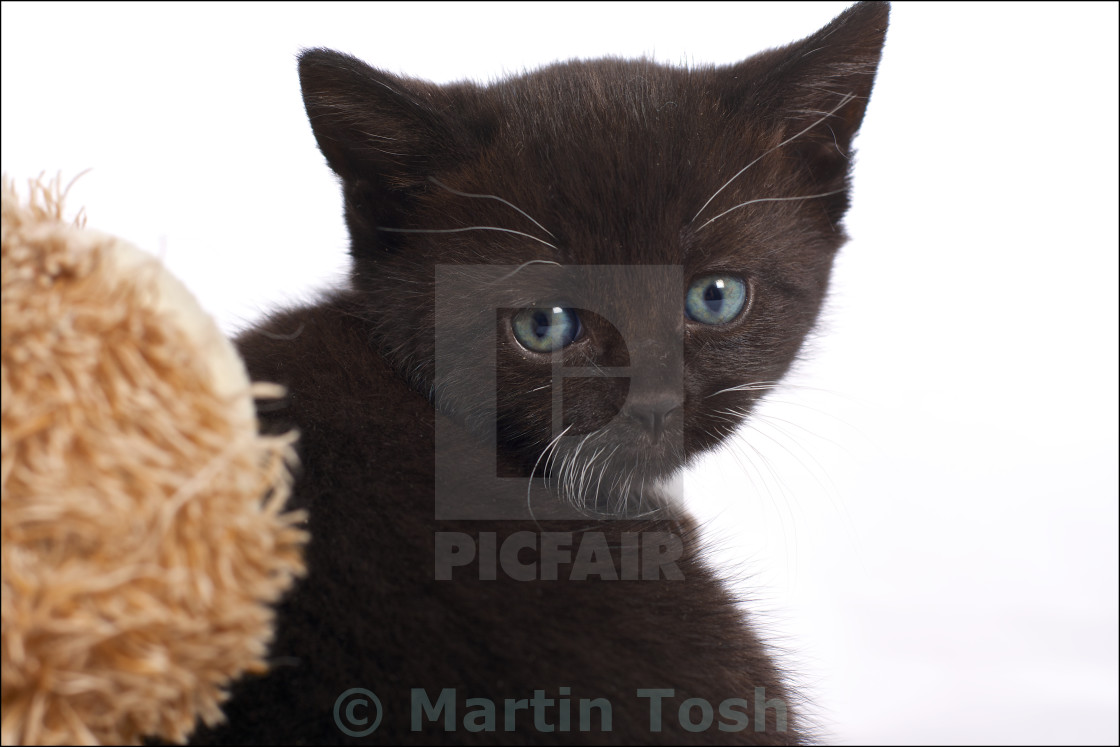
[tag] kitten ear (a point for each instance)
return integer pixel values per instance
(373, 126)
(820, 84)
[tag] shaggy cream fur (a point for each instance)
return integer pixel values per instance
(143, 533)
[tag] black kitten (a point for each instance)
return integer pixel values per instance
(565, 286)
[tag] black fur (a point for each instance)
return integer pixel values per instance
(613, 159)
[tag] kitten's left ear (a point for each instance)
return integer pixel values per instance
(821, 83)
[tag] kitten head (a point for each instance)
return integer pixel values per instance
(629, 253)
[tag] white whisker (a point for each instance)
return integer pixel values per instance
(523, 265)
(763, 420)
(770, 199)
(571, 478)
(468, 228)
(603, 471)
(529, 490)
(843, 101)
(438, 183)
(757, 387)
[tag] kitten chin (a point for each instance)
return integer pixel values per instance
(565, 286)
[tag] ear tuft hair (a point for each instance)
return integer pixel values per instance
(816, 90)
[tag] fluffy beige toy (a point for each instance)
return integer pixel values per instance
(143, 534)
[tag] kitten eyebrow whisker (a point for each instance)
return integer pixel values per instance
(770, 199)
(521, 267)
(438, 183)
(468, 228)
(847, 98)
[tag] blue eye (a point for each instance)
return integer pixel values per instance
(546, 329)
(715, 299)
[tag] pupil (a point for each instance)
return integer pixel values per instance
(713, 297)
(541, 324)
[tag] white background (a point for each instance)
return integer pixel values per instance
(929, 518)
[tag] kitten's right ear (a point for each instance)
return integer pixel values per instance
(372, 126)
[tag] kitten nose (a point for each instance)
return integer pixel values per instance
(652, 412)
